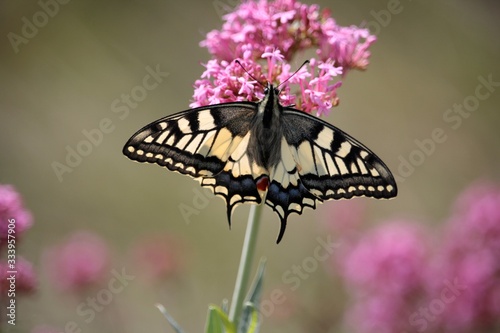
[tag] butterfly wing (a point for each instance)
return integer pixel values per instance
(286, 192)
(238, 181)
(207, 143)
(317, 162)
(320, 162)
(196, 142)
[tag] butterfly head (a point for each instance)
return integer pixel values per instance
(271, 89)
(269, 105)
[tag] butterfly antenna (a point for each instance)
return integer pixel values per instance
(253, 77)
(303, 64)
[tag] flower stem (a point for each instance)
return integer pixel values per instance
(247, 252)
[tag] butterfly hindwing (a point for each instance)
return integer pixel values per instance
(331, 164)
(286, 193)
(238, 181)
(195, 142)
(320, 162)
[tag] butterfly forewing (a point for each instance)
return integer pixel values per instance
(195, 142)
(331, 164)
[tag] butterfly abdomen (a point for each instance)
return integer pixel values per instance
(264, 147)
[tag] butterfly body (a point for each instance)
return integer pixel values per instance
(249, 152)
(264, 146)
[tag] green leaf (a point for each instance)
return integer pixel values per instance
(250, 319)
(250, 315)
(218, 321)
(169, 318)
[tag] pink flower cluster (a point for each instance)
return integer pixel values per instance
(470, 254)
(15, 220)
(289, 26)
(265, 36)
(157, 257)
(26, 280)
(404, 279)
(383, 268)
(12, 208)
(80, 261)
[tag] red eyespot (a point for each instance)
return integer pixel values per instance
(263, 183)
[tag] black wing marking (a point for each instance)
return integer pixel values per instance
(331, 164)
(320, 162)
(208, 143)
(286, 193)
(196, 142)
(238, 182)
(317, 162)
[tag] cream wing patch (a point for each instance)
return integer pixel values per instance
(195, 142)
(285, 172)
(331, 164)
(239, 163)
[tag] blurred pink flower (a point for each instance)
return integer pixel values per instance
(157, 256)
(399, 284)
(389, 259)
(345, 216)
(476, 217)
(12, 209)
(81, 261)
(385, 269)
(25, 278)
(470, 255)
(379, 313)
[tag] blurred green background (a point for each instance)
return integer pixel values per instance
(64, 80)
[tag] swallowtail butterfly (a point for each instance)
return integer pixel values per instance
(249, 152)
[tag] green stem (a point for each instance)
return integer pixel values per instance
(240, 288)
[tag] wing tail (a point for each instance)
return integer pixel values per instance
(287, 194)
